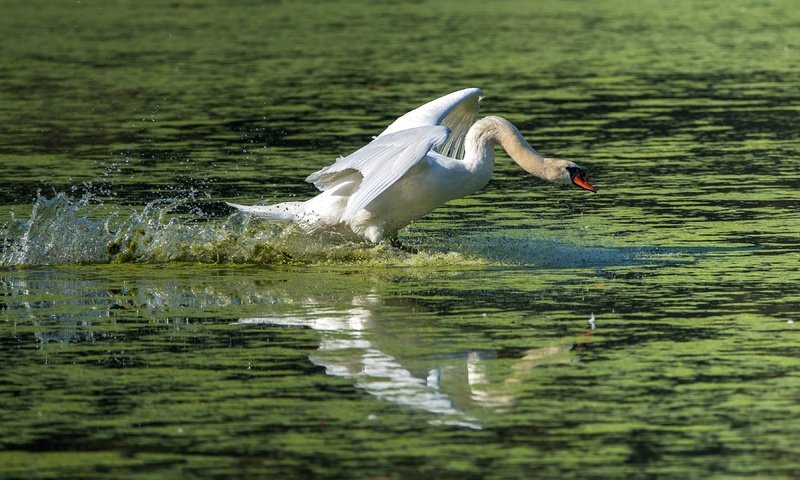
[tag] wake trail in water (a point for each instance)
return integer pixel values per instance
(61, 231)
(531, 249)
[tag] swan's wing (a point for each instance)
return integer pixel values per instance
(456, 111)
(463, 103)
(381, 163)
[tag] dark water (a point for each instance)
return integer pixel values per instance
(647, 331)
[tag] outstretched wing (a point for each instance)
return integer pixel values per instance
(456, 111)
(381, 163)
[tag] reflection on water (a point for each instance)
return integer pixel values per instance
(456, 386)
(348, 348)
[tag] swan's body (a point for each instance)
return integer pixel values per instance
(427, 157)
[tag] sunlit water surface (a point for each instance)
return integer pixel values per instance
(645, 331)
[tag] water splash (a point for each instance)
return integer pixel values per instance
(63, 230)
(57, 232)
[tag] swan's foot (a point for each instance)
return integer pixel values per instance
(395, 242)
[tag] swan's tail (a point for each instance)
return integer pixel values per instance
(281, 212)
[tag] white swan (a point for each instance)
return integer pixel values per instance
(430, 155)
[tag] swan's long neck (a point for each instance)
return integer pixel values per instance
(493, 129)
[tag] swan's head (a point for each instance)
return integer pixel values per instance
(578, 178)
(569, 173)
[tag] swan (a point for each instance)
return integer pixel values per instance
(431, 155)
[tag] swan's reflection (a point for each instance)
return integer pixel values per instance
(452, 385)
(345, 352)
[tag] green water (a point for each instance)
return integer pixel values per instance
(146, 331)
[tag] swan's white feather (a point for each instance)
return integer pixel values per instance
(381, 163)
(456, 111)
(435, 111)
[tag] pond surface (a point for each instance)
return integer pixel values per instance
(650, 330)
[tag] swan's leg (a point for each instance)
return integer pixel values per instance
(394, 241)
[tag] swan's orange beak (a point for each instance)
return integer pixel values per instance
(579, 180)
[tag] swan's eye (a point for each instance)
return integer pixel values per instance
(574, 171)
